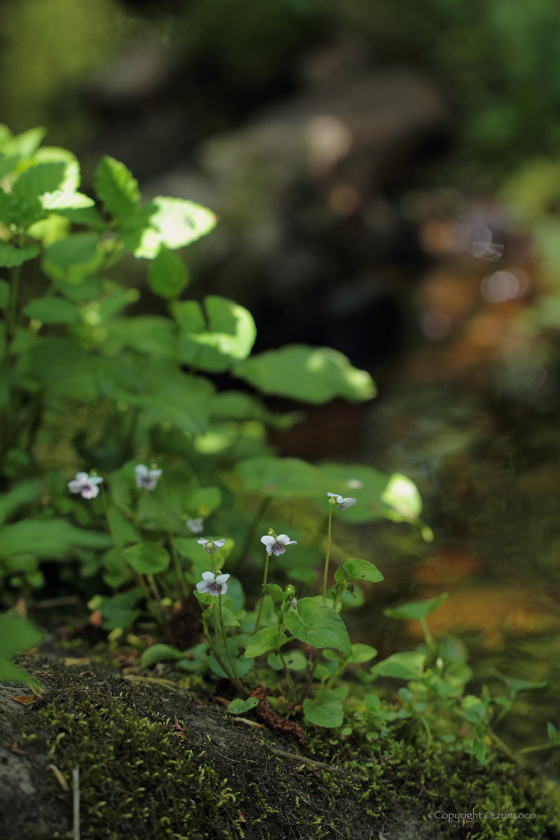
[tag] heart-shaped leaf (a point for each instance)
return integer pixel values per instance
(148, 558)
(318, 625)
(325, 710)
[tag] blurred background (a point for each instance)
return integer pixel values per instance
(387, 175)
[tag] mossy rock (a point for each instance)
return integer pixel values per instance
(212, 776)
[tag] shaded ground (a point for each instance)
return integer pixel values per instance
(223, 777)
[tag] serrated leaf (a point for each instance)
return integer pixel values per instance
(39, 179)
(167, 274)
(73, 258)
(238, 706)
(174, 223)
(309, 374)
(325, 710)
(405, 666)
(263, 641)
(148, 558)
(10, 256)
(52, 310)
(117, 188)
(416, 610)
(362, 570)
(318, 625)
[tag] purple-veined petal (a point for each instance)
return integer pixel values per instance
(203, 586)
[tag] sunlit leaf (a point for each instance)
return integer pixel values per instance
(174, 223)
(117, 188)
(403, 497)
(216, 337)
(405, 666)
(309, 374)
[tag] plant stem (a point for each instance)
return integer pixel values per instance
(12, 306)
(428, 733)
(288, 675)
(309, 679)
(237, 680)
(174, 554)
(154, 588)
(262, 596)
(218, 659)
(328, 556)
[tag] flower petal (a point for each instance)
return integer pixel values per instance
(202, 541)
(95, 479)
(141, 470)
(283, 539)
(222, 578)
(155, 473)
(220, 543)
(82, 476)
(203, 586)
(268, 540)
(209, 576)
(75, 486)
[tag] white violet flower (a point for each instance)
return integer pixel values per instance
(277, 544)
(210, 545)
(146, 478)
(214, 584)
(195, 526)
(86, 485)
(340, 501)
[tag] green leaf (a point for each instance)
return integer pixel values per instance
(265, 640)
(148, 558)
(309, 374)
(167, 274)
(65, 370)
(474, 709)
(16, 634)
(10, 256)
(74, 258)
(4, 294)
(362, 570)
(174, 223)
(148, 334)
(203, 501)
(122, 530)
(403, 497)
(214, 341)
(552, 731)
(295, 660)
(405, 666)
(117, 188)
(52, 310)
(37, 180)
(51, 539)
(159, 653)
(66, 202)
(280, 477)
(325, 710)
(416, 610)
(119, 612)
(238, 706)
(361, 653)
(22, 493)
(25, 144)
(318, 625)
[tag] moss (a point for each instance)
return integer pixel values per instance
(221, 779)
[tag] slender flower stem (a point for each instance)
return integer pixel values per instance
(12, 306)
(329, 536)
(262, 596)
(154, 587)
(309, 679)
(428, 733)
(237, 680)
(174, 554)
(218, 658)
(288, 675)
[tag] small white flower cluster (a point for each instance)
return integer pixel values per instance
(213, 584)
(340, 501)
(210, 545)
(277, 544)
(86, 485)
(147, 478)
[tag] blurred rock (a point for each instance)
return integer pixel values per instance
(311, 236)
